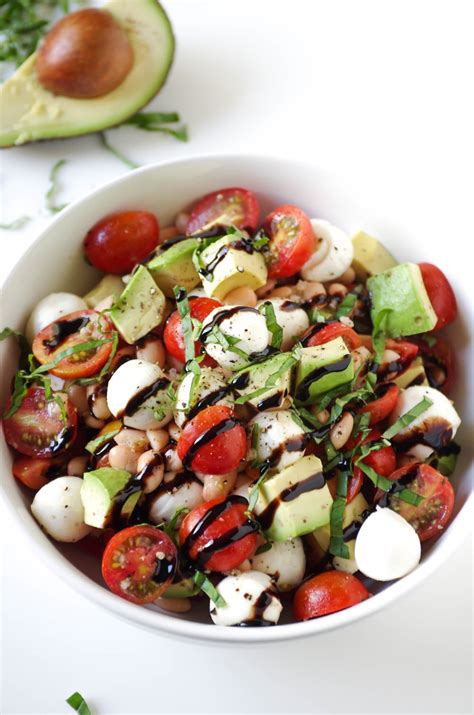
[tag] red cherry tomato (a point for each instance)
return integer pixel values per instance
(68, 331)
(213, 442)
(319, 334)
(328, 592)
(34, 473)
(222, 519)
(116, 243)
(37, 428)
(173, 332)
(139, 563)
(383, 461)
(384, 404)
(407, 351)
(430, 516)
(440, 294)
(354, 485)
(234, 206)
(292, 240)
(439, 363)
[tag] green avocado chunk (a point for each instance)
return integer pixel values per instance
(98, 492)
(400, 296)
(415, 374)
(255, 379)
(322, 368)
(294, 502)
(30, 112)
(140, 308)
(108, 285)
(370, 256)
(174, 266)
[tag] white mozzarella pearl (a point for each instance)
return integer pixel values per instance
(241, 593)
(441, 409)
(126, 382)
(333, 255)
(387, 546)
(164, 506)
(191, 390)
(58, 509)
(277, 437)
(51, 308)
(291, 319)
(248, 327)
(285, 562)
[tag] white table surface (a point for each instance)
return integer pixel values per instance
(380, 88)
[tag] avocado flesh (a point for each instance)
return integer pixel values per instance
(370, 256)
(174, 267)
(284, 517)
(236, 268)
(98, 492)
(401, 292)
(140, 308)
(322, 368)
(414, 375)
(322, 536)
(30, 112)
(108, 285)
(258, 375)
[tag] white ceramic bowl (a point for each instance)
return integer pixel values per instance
(54, 263)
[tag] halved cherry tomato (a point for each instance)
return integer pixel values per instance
(34, 473)
(316, 335)
(37, 428)
(233, 206)
(430, 516)
(440, 294)
(384, 404)
(213, 442)
(438, 361)
(354, 485)
(173, 332)
(68, 331)
(328, 592)
(139, 563)
(116, 243)
(292, 240)
(222, 519)
(407, 350)
(383, 461)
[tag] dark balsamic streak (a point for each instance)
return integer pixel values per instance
(62, 329)
(303, 391)
(135, 402)
(314, 481)
(206, 437)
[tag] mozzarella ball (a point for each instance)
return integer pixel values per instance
(250, 598)
(193, 389)
(58, 508)
(333, 255)
(51, 308)
(176, 491)
(387, 546)
(285, 562)
(440, 414)
(137, 391)
(291, 318)
(246, 326)
(276, 438)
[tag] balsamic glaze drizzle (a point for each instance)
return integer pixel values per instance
(303, 390)
(206, 437)
(62, 329)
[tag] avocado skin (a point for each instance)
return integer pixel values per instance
(140, 307)
(175, 266)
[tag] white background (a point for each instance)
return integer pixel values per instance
(380, 88)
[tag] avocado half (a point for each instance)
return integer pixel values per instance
(29, 112)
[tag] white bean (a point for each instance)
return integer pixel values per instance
(98, 403)
(122, 457)
(389, 356)
(93, 422)
(217, 485)
(78, 397)
(281, 292)
(135, 439)
(173, 462)
(309, 289)
(174, 605)
(152, 350)
(348, 277)
(241, 296)
(154, 479)
(174, 431)
(265, 290)
(337, 289)
(158, 438)
(77, 466)
(341, 431)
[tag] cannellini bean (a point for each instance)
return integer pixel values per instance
(77, 466)
(241, 296)
(264, 290)
(122, 457)
(97, 403)
(341, 431)
(93, 422)
(217, 485)
(281, 292)
(135, 439)
(174, 605)
(155, 477)
(309, 289)
(174, 431)
(348, 276)
(78, 397)
(181, 222)
(337, 289)
(173, 462)
(167, 233)
(158, 438)
(151, 350)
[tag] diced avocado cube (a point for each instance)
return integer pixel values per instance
(108, 285)
(414, 375)
(322, 368)
(174, 266)
(401, 293)
(255, 378)
(295, 501)
(370, 256)
(229, 265)
(140, 308)
(98, 492)
(322, 536)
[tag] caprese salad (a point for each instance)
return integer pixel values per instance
(257, 411)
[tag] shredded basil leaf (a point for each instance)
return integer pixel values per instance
(407, 418)
(207, 587)
(445, 463)
(16, 223)
(54, 188)
(184, 311)
(77, 702)
(409, 496)
(94, 444)
(430, 340)
(346, 305)
(377, 479)
(378, 333)
(116, 152)
(171, 527)
(263, 548)
(154, 121)
(253, 492)
(268, 311)
(337, 547)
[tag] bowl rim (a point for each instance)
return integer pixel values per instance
(170, 625)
